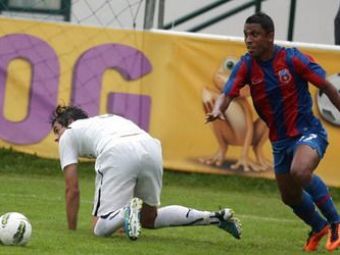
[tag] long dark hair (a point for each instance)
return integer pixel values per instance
(65, 114)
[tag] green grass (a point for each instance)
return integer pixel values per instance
(35, 187)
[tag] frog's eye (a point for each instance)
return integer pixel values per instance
(229, 64)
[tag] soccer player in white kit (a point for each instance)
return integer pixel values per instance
(129, 173)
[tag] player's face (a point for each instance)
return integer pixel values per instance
(58, 130)
(259, 42)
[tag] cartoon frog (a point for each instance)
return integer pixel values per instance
(238, 128)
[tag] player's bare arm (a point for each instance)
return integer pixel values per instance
(221, 105)
(332, 94)
(71, 195)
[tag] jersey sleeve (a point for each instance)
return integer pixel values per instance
(308, 69)
(237, 79)
(67, 150)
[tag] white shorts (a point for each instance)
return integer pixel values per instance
(132, 168)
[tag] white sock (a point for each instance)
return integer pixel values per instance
(176, 215)
(108, 224)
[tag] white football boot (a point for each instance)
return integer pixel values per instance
(132, 225)
(228, 222)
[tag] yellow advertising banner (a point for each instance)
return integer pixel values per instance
(164, 82)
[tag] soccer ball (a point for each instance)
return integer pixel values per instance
(327, 110)
(15, 229)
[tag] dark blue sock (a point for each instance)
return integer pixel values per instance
(318, 190)
(305, 210)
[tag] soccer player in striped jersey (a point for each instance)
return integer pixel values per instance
(278, 79)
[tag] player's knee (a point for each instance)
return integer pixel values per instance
(100, 229)
(97, 232)
(290, 200)
(301, 175)
(291, 197)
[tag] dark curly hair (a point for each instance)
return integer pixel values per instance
(263, 20)
(65, 114)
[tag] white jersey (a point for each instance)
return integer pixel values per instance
(92, 136)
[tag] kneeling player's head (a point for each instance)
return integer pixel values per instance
(67, 114)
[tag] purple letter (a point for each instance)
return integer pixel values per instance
(89, 70)
(43, 92)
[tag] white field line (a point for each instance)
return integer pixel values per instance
(61, 199)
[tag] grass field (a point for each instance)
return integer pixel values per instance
(35, 187)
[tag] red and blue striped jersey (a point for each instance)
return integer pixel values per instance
(279, 90)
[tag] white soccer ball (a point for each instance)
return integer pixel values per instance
(15, 229)
(327, 110)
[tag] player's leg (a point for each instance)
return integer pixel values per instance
(148, 184)
(302, 205)
(148, 216)
(115, 183)
(313, 184)
(108, 214)
(125, 219)
(310, 149)
(292, 194)
(177, 215)
(107, 224)
(148, 188)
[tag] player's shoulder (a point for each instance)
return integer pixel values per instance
(245, 58)
(244, 61)
(80, 123)
(294, 52)
(66, 136)
(295, 55)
